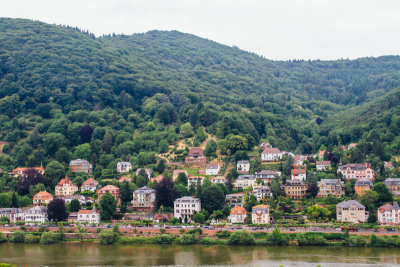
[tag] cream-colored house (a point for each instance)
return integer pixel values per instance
(260, 214)
(65, 187)
(351, 211)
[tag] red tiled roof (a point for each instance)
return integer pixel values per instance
(66, 180)
(43, 195)
(109, 188)
(157, 179)
(90, 182)
(238, 210)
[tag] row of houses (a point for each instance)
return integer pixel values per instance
(39, 215)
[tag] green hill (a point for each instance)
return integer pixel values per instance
(54, 80)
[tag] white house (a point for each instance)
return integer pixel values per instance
(89, 216)
(243, 166)
(323, 165)
(244, 181)
(195, 180)
(212, 169)
(238, 215)
(298, 174)
(262, 192)
(184, 208)
(13, 214)
(36, 214)
(89, 185)
(271, 154)
(124, 166)
(218, 180)
(389, 214)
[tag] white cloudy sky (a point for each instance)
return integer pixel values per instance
(279, 29)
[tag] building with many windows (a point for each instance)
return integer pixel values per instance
(235, 199)
(243, 166)
(298, 174)
(196, 156)
(361, 186)
(113, 190)
(333, 187)
(80, 165)
(42, 198)
(65, 187)
(295, 188)
(36, 215)
(13, 214)
(260, 214)
(244, 181)
(184, 208)
(144, 199)
(89, 216)
(124, 166)
(212, 169)
(389, 214)
(271, 154)
(357, 171)
(89, 185)
(393, 184)
(351, 211)
(238, 215)
(262, 192)
(267, 176)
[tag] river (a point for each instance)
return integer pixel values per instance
(92, 254)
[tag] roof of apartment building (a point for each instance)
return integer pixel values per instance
(348, 203)
(363, 183)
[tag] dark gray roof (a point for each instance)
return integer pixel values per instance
(363, 182)
(144, 189)
(348, 203)
(294, 182)
(248, 176)
(243, 162)
(331, 181)
(396, 206)
(392, 181)
(187, 199)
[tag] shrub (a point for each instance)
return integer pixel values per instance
(3, 237)
(377, 241)
(356, 241)
(48, 238)
(164, 239)
(108, 237)
(210, 241)
(277, 238)
(241, 238)
(18, 237)
(195, 231)
(30, 238)
(223, 234)
(186, 239)
(6, 265)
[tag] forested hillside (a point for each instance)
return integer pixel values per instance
(65, 94)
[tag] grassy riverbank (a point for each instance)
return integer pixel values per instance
(195, 236)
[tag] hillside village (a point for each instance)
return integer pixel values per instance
(212, 183)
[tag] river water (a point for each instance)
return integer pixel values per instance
(93, 254)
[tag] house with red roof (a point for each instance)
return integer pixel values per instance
(271, 154)
(89, 216)
(42, 198)
(238, 215)
(21, 171)
(65, 187)
(89, 185)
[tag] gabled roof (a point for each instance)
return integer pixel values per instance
(243, 162)
(143, 190)
(108, 188)
(348, 203)
(363, 183)
(298, 171)
(238, 210)
(43, 195)
(331, 182)
(196, 151)
(91, 182)
(392, 181)
(271, 150)
(212, 166)
(64, 181)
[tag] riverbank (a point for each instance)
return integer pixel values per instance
(198, 236)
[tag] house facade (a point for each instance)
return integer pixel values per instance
(13, 214)
(184, 208)
(357, 171)
(361, 186)
(196, 156)
(295, 189)
(89, 216)
(144, 199)
(260, 214)
(238, 215)
(333, 187)
(262, 192)
(393, 184)
(389, 214)
(218, 180)
(212, 169)
(80, 165)
(244, 181)
(21, 171)
(271, 154)
(323, 165)
(299, 159)
(298, 174)
(113, 190)
(351, 211)
(243, 166)
(89, 185)
(267, 176)
(65, 187)
(124, 166)
(42, 198)
(36, 214)
(235, 199)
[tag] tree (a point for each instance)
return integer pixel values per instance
(182, 178)
(30, 177)
(312, 190)
(165, 193)
(250, 203)
(212, 198)
(57, 211)
(163, 146)
(55, 170)
(211, 148)
(14, 201)
(108, 206)
(369, 197)
(199, 217)
(160, 166)
(181, 190)
(126, 193)
(83, 151)
(74, 206)
(5, 200)
(237, 142)
(384, 195)
(86, 134)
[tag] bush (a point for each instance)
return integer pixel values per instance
(3, 237)
(108, 237)
(356, 241)
(310, 240)
(241, 238)
(6, 265)
(210, 241)
(18, 237)
(223, 234)
(30, 238)
(186, 239)
(195, 231)
(48, 238)
(277, 238)
(377, 241)
(164, 239)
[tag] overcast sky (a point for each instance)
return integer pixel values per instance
(279, 29)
